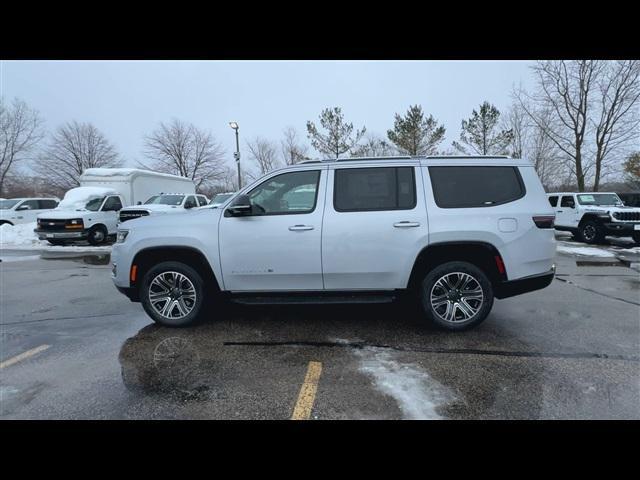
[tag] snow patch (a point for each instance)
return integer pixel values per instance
(586, 251)
(417, 394)
(19, 235)
(7, 259)
(22, 237)
(77, 198)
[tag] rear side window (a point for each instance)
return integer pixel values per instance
(47, 204)
(553, 200)
(377, 188)
(467, 187)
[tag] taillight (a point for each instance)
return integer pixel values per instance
(544, 221)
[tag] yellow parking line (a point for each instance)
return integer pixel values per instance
(23, 355)
(302, 410)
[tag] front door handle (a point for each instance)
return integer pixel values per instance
(558, 211)
(406, 224)
(300, 228)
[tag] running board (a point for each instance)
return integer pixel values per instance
(296, 299)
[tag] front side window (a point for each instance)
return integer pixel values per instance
(600, 199)
(112, 204)
(288, 193)
(567, 201)
(553, 200)
(29, 205)
(374, 189)
(94, 204)
(190, 202)
(469, 187)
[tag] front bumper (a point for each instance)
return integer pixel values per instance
(623, 229)
(519, 286)
(61, 234)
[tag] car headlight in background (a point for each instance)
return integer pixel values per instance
(122, 235)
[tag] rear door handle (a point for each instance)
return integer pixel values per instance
(406, 224)
(299, 228)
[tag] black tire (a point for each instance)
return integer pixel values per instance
(97, 235)
(591, 232)
(56, 242)
(196, 309)
(636, 238)
(480, 308)
(6, 223)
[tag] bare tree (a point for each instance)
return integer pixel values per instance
(293, 151)
(619, 121)
(531, 142)
(20, 133)
(566, 89)
(264, 154)
(374, 146)
(181, 148)
(72, 149)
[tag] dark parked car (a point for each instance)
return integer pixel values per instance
(630, 199)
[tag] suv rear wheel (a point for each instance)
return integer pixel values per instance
(456, 295)
(172, 294)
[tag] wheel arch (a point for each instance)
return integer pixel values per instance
(481, 254)
(195, 258)
(6, 222)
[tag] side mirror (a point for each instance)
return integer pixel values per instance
(240, 206)
(23, 207)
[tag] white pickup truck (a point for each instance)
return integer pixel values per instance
(90, 211)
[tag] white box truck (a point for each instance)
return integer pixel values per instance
(90, 211)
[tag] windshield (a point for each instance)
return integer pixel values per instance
(601, 199)
(165, 200)
(94, 204)
(6, 204)
(220, 198)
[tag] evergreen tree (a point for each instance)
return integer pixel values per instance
(481, 134)
(338, 138)
(415, 134)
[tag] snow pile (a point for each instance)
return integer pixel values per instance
(19, 235)
(124, 172)
(586, 251)
(77, 198)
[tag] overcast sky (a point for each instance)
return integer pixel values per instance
(127, 99)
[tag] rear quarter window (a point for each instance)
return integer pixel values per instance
(470, 187)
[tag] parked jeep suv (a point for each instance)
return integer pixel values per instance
(455, 231)
(592, 216)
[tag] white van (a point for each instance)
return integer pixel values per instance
(90, 212)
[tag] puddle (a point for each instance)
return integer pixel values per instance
(89, 259)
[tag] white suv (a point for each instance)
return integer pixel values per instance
(456, 231)
(15, 211)
(164, 203)
(592, 216)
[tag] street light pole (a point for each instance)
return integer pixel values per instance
(236, 155)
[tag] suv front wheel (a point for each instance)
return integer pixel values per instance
(172, 294)
(591, 232)
(456, 295)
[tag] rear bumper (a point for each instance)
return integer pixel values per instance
(512, 288)
(623, 229)
(59, 234)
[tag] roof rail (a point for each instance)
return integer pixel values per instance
(310, 161)
(358, 159)
(470, 157)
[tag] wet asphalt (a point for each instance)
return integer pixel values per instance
(570, 351)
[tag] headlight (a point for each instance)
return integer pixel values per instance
(122, 235)
(76, 221)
